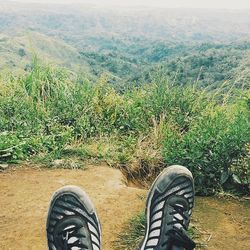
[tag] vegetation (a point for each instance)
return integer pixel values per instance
(207, 65)
(137, 89)
(152, 91)
(51, 113)
(134, 231)
(201, 47)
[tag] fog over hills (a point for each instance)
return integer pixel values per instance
(158, 22)
(123, 42)
(223, 4)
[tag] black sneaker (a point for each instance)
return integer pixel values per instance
(72, 222)
(169, 207)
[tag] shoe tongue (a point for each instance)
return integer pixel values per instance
(178, 201)
(68, 228)
(68, 223)
(180, 239)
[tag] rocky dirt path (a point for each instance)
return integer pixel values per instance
(25, 195)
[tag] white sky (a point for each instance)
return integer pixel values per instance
(224, 4)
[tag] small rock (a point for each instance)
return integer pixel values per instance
(3, 166)
(74, 165)
(66, 164)
(58, 163)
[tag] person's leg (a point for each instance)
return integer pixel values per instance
(72, 222)
(169, 207)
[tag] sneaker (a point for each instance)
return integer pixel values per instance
(72, 223)
(168, 211)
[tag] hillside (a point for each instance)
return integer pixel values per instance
(17, 52)
(129, 44)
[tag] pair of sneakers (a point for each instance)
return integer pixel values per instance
(73, 224)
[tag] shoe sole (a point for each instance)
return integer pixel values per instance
(168, 175)
(80, 195)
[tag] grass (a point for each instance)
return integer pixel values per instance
(49, 113)
(133, 233)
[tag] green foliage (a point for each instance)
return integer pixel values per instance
(21, 52)
(25, 126)
(143, 129)
(206, 65)
(211, 144)
(240, 173)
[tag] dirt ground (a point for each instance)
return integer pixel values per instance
(26, 192)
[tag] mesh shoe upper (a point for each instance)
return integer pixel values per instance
(72, 222)
(169, 207)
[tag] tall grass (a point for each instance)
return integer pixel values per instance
(48, 111)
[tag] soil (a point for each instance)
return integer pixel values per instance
(26, 192)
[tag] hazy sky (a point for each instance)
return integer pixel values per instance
(231, 4)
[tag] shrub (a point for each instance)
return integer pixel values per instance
(238, 176)
(209, 147)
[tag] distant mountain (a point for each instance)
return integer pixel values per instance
(75, 22)
(17, 51)
(128, 44)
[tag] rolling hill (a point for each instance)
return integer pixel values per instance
(129, 45)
